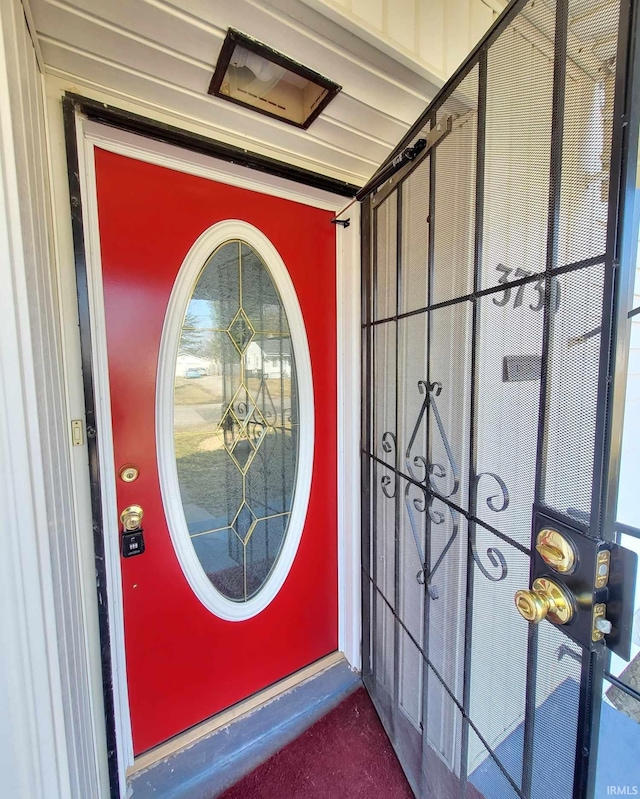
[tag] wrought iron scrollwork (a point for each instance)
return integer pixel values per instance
(495, 556)
(385, 482)
(388, 442)
(417, 466)
(418, 504)
(504, 493)
(438, 469)
(438, 517)
(241, 409)
(422, 504)
(265, 403)
(389, 446)
(428, 478)
(255, 430)
(289, 429)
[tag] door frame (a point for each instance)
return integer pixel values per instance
(87, 124)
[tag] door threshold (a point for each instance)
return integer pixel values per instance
(224, 718)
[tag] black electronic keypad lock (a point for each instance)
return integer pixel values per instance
(132, 543)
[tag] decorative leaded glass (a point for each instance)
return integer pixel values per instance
(236, 420)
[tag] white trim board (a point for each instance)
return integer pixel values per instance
(349, 366)
(124, 739)
(173, 157)
(91, 134)
(37, 749)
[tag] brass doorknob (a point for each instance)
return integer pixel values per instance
(546, 599)
(131, 517)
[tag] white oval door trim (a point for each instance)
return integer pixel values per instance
(181, 293)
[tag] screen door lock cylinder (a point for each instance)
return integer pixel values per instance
(556, 550)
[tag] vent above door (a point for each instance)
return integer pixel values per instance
(253, 75)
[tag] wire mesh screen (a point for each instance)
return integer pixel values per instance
(482, 331)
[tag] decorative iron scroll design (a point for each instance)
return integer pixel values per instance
(422, 504)
(427, 478)
(420, 462)
(495, 556)
(389, 446)
(504, 493)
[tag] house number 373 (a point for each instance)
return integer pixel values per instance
(539, 287)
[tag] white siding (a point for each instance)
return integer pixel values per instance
(434, 35)
(160, 57)
(45, 715)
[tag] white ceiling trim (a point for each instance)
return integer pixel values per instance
(31, 27)
(59, 81)
(218, 33)
(179, 13)
(205, 67)
(127, 47)
(356, 131)
(236, 111)
(430, 72)
(156, 57)
(122, 31)
(384, 76)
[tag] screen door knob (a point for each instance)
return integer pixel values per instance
(131, 517)
(545, 600)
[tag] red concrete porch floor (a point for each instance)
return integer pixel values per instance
(344, 754)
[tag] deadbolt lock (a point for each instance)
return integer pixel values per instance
(546, 599)
(556, 550)
(131, 518)
(129, 473)
(583, 584)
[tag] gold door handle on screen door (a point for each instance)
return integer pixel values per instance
(545, 600)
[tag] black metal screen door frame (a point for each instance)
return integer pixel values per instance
(386, 474)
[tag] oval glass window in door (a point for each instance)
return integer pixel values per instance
(236, 428)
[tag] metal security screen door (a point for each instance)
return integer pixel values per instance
(491, 270)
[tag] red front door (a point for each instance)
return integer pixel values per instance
(184, 662)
